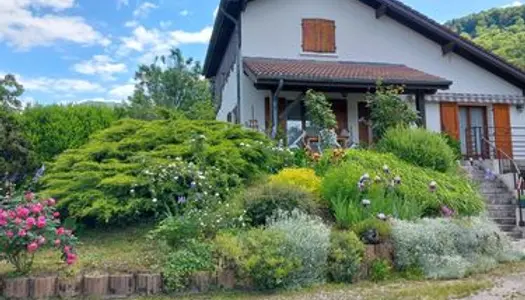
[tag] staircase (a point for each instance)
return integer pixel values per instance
(500, 202)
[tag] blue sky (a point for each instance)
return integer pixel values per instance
(77, 50)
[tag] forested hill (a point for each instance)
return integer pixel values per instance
(500, 30)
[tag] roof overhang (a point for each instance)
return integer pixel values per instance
(394, 9)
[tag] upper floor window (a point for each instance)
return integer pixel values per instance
(319, 36)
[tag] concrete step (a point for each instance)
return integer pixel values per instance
(507, 228)
(504, 221)
(496, 214)
(517, 235)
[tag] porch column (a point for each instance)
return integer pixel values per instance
(420, 106)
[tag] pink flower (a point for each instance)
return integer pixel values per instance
(22, 212)
(3, 222)
(29, 196)
(18, 221)
(446, 211)
(51, 202)
(56, 214)
(41, 223)
(32, 247)
(60, 231)
(30, 222)
(57, 242)
(70, 261)
(71, 258)
(68, 232)
(71, 255)
(22, 233)
(41, 240)
(37, 208)
(67, 249)
(9, 234)
(12, 214)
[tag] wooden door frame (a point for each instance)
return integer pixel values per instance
(485, 151)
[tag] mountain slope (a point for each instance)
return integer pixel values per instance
(500, 30)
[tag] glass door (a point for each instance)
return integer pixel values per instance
(473, 130)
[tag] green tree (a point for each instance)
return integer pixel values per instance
(388, 110)
(171, 82)
(10, 91)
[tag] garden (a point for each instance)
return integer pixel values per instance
(213, 206)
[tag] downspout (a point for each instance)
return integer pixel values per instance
(238, 63)
(275, 108)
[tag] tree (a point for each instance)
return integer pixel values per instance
(10, 90)
(174, 83)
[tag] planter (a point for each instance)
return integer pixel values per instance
(43, 287)
(201, 282)
(149, 284)
(16, 288)
(121, 286)
(69, 287)
(96, 285)
(226, 279)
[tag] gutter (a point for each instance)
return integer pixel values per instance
(275, 108)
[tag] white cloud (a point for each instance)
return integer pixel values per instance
(144, 9)
(21, 27)
(122, 91)
(131, 24)
(100, 65)
(165, 24)
(50, 85)
(184, 13)
(97, 99)
(154, 42)
(514, 4)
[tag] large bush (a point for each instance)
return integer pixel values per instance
(102, 180)
(54, 129)
(419, 147)
(308, 239)
(262, 201)
(302, 177)
(453, 190)
(346, 253)
(450, 248)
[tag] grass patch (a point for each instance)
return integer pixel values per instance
(111, 250)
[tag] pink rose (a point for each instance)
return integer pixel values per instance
(56, 214)
(9, 234)
(57, 242)
(37, 208)
(22, 233)
(30, 222)
(3, 222)
(67, 249)
(41, 240)
(70, 261)
(60, 231)
(22, 212)
(32, 247)
(51, 202)
(29, 196)
(41, 223)
(12, 214)
(71, 258)
(18, 221)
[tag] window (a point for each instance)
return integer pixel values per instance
(319, 36)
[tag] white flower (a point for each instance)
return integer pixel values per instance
(154, 200)
(386, 169)
(242, 144)
(217, 195)
(366, 202)
(205, 193)
(132, 191)
(381, 216)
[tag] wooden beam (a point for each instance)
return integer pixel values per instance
(447, 48)
(381, 11)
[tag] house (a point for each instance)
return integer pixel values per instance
(264, 55)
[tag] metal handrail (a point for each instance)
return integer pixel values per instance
(518, 181)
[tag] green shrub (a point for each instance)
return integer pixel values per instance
(380, 270)
(454, 144)
(182, 263)
(56, 128)
(453, 190)
(450, 248)
(419, 147)
(301, 177)
(382, 228)
(262, 201)
(265, 262)
(101, 181)
(345, 256)
(306, 238)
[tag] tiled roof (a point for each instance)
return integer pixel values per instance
(336, 71)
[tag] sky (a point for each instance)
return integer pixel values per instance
(66, 51)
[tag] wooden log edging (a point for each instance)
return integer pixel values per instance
(101, 285)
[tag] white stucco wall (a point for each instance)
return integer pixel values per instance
(433, 116)
(517, 120)
(272, 28)
(229, 96)
(253, 103)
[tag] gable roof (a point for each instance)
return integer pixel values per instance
(224, 28)
(265, 71)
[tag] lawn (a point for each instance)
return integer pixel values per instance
(115, 250)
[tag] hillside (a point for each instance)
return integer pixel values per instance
(500, 30)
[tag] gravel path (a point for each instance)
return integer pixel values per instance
(510, 287)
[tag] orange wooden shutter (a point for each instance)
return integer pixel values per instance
(450, 119)
(502, 129)
(318, 36)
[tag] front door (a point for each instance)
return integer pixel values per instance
(365, 131)
(473, 131)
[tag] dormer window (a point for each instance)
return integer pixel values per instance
(319, 36)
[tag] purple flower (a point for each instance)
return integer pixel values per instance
(446, 211)
(181, 199)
